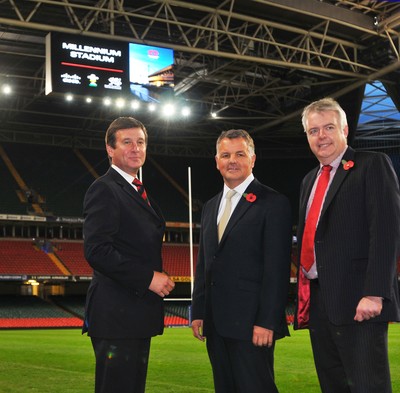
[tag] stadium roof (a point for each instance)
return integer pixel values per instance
(255, 63)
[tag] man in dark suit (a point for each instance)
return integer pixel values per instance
(123, 232)
(242, 274)
(348, 293)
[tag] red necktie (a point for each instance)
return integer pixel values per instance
(141, 190)
(307, 245)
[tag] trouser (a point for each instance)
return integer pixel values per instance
(348, 358)
(239, 366)
(121, 365)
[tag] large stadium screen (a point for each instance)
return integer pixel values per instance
(96, 67)
(150, 69)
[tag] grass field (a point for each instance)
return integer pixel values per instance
(61, 361)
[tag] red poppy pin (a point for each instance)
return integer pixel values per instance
(250, 197)
(347, 164)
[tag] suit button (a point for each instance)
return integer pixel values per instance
(212, 283)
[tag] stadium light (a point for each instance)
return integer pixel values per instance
(120, 103)
(135, 104)
(168, 109)
(185, 111)
(6, 89)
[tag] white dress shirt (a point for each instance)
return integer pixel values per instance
(240, 189)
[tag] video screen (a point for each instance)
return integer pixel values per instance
(96, 67)
(150, 69)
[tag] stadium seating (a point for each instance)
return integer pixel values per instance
(176, 259)
(22, 257)
(66, 312)
(33, 312)
(73, 304)
(71, 255)
(25, 257)
(176, 313)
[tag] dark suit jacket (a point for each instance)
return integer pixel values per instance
(243, 281)
(122, 242)
(357, 241)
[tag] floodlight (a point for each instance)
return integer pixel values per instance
(135, 104)
(6, 89)
(185, 111)
(120, 103)
(169, 109)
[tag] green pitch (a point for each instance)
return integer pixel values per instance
(61, 361)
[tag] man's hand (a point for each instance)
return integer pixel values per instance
(161, 284)
(262, 337)
(197, 327)
(368, 307)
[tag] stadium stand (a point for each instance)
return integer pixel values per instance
(72, 304)
(29, 258)
(32, 258)
(176, 313)
(176, 258)
(23, 257)
(71, 254)
(33, 312)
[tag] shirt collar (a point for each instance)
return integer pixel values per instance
(129, 178)
(241, 188)
(336, 162)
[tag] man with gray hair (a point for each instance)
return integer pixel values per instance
(348, 243)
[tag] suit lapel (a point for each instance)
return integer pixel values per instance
(240, 210)
(337, 181)
(340, 175)
(305, 197)
(134, 195)
(214, 205)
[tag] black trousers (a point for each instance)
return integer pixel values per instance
(348, 358)
(239, 366)
(121, 365)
